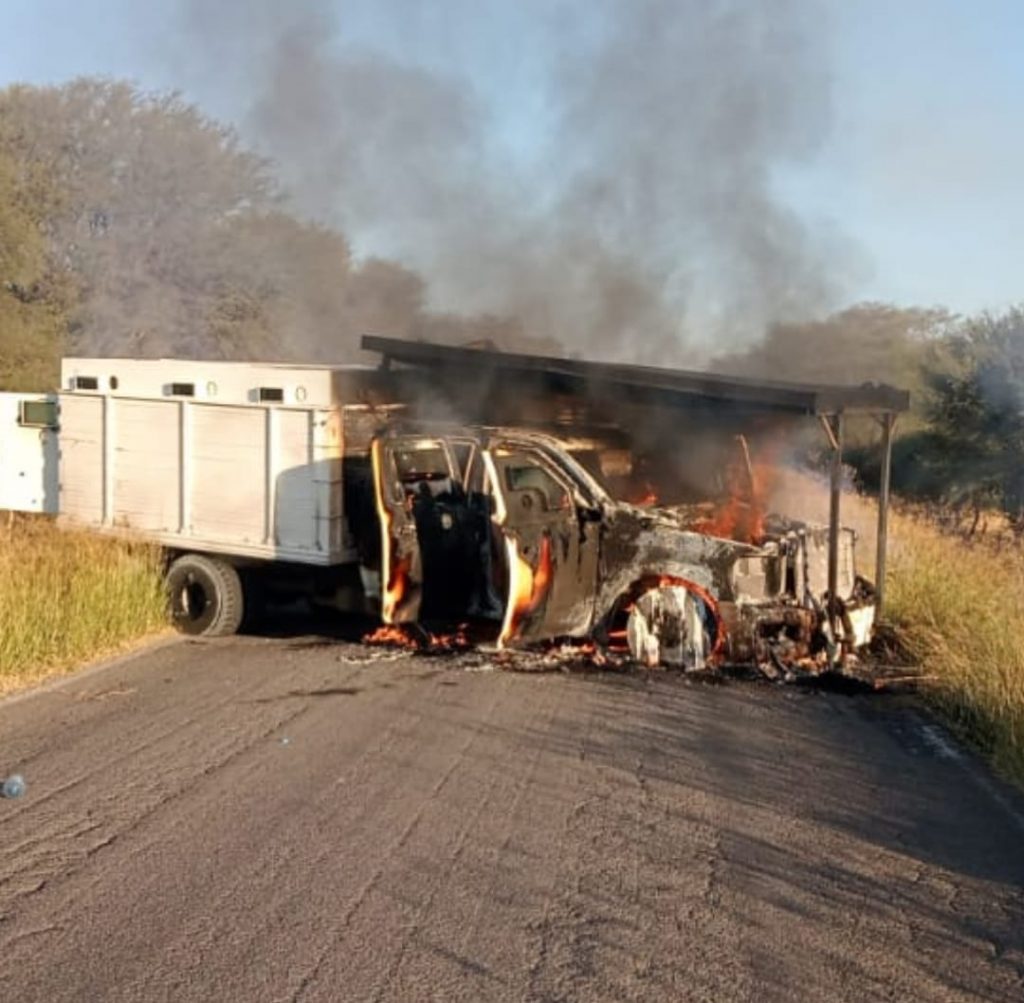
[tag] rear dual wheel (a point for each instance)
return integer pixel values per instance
(205, 596)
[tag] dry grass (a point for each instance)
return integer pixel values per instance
(66, 597)
(958, 610)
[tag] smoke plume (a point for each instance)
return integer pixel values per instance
(635, 216)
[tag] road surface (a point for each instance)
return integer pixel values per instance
(303, 819)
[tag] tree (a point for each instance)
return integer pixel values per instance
(975, 408)
(177, 241)
(146, 229)
(33, 297)
(147, 187)
(865, 343)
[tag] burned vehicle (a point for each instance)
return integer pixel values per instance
(509, 525)
(564, 499)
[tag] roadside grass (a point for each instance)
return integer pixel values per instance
(956, 607)
(67, 597)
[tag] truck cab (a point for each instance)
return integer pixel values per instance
(494, 523)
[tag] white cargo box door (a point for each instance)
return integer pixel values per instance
(227, 479)
(28, 453)
(292, 488)
(84, 462)
(146, 466)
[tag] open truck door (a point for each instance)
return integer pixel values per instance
(434, 514)
(551, 544)
(407, 472)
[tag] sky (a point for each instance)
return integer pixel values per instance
(921, 169)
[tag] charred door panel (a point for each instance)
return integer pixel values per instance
(408, 472)
(551, 552)
(401, 569)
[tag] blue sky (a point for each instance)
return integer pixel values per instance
(922, 169)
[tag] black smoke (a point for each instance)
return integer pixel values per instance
(644, 224)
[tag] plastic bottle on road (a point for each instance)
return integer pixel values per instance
(13, 786)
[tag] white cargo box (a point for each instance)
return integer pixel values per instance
(225, 457)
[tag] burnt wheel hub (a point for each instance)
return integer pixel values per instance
(672, 626)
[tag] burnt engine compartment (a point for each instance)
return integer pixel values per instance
(772, 608)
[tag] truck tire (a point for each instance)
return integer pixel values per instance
(205, 596)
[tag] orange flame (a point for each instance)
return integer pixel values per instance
(418, 640)
(527, 587)
(617, 639)
(741, 516)
(456, 641)
(737, 520)
(646, 497)
(395, 589)
(589, 651)
(391, 635)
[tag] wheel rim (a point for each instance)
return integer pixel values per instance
(193, 600)
(668, 625)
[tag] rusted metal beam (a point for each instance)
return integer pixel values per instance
(888, 422)
(835, 426)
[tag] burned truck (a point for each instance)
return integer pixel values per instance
(509, 524)
(453, 486)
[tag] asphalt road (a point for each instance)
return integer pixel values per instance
(301, 819)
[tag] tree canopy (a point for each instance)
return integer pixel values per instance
(975, 410)
(33, 294)
(164, 236)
